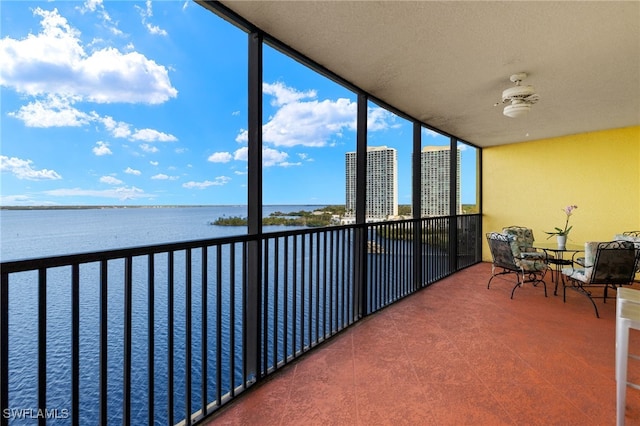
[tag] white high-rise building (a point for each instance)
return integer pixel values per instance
(434, 193)
(382, 182)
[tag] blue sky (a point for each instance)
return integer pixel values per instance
(145, 103)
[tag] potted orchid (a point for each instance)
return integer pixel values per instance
(561, 233)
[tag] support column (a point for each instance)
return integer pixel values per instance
(360, 237)
(453, 213)
(254, 200)
(416, 202)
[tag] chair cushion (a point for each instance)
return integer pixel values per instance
(532, 265)
(522, 242)
(584, 273)
(522, 238)
(580, 274)
(534, 255)
(590, 250)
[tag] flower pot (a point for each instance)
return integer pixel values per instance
(562, 241)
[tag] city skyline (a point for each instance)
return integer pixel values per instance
(145, 103)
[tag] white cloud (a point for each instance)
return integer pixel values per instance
(101, 148)
(90, 6)
(57, 70)
(153, 163)
(54, 62)
(22, 169)
(270, 156)
(148, 148)
(131, 171)
(150, 135)
(311, 123)
(220, 157)
(118, 129)
(429, 132)
(162, 176)
(303, 120)
(154, 29)
(288, 164)
(380, 119)
(219, 181)
(96, 6)
(120, 193)
(53, 111)
(241, 154)
(110, 180)
(283, 95)
(148, 13)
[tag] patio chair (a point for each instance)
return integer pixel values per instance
(523, 242)
(505, 261)
(634, 237)
(606, 265)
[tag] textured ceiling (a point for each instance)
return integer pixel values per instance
(446, 63)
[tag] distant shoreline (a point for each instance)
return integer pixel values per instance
(87, 207)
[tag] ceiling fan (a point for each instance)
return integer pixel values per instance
(520, 97)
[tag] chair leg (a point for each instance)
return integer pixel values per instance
(517, 284)
(494, 274)
(594, 306)
(588, 295)
(577, 286)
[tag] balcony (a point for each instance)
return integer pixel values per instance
(166, 332)
(455, 353)
(486, 359)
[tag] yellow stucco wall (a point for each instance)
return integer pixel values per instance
(529, 183)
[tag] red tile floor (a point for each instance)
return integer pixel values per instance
(456, 354)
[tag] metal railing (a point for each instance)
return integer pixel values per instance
(165, 333)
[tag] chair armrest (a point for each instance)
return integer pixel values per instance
(533, 255)
(580, 260)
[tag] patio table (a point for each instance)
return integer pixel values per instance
(558, 259)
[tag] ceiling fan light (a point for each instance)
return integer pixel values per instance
(516, 110)
(517, 92)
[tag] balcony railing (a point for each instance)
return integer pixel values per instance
(164, 333)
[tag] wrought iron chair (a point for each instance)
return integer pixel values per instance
(522, 243)
(505, 261)
(634, 237)
(607, 265)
